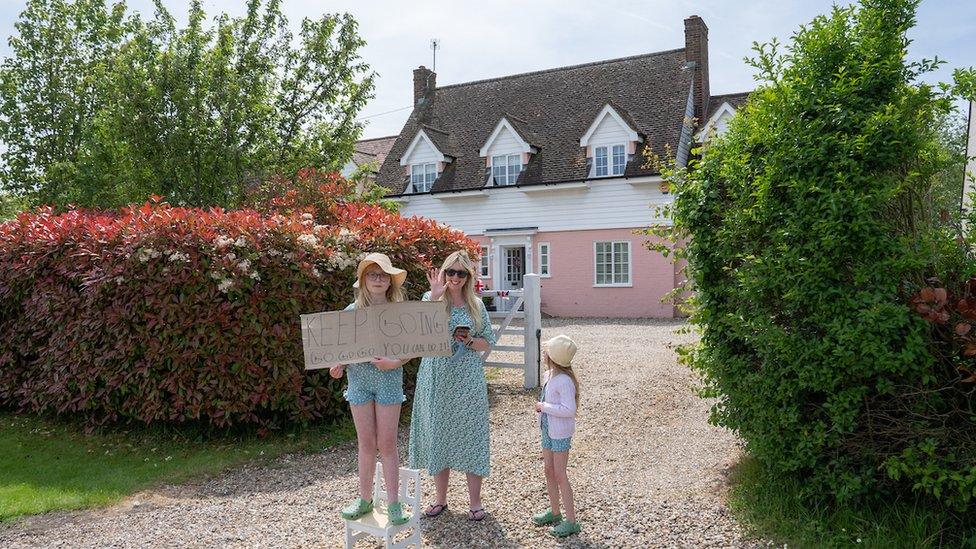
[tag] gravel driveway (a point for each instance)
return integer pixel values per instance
(646, 468)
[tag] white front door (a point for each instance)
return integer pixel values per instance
(514, 267)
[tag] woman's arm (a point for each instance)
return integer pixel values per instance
(485, 338)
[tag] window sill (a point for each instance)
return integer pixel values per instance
(613, 285)
(545, 276)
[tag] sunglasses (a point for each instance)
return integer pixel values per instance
(459, 274)
(377, 276)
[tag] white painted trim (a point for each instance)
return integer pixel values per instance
(504, 123)
(502, 234)
(712, 120)
(548, 259)
(641, 181)
(485, 256)
(633, 206)
(423, 167)
(630, 264)
(608, 110)
(491, 170)
(460, 194)
(609, 148)
(529, 189)
(421, 135)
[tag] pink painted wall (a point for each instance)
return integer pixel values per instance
(569, 292)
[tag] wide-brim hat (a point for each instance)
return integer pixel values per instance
(561, 350)
(397, 276)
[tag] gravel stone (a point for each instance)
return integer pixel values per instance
(646, 467)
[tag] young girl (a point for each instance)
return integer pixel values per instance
(375, 393)
(557, 420)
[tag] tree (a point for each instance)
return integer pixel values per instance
(808, 226)
(195, 114)
(51, 89)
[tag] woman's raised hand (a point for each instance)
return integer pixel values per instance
(437, 283)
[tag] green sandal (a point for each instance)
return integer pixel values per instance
(395, 512)
(357, 509)
(546, 517)
(565, 528)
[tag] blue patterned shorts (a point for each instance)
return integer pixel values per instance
(367, 383)
(554, 444)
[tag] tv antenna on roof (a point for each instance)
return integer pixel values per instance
(434, 44)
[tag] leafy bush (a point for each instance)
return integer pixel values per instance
(809, 225)
(159, 313)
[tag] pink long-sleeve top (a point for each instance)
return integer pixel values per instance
(559, 403)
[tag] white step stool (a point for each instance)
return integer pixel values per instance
(377, 523)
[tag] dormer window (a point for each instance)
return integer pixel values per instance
(505, 168)
(610, 141)
(422, 176)
(609, 160)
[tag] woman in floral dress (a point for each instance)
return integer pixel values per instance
(449, 427)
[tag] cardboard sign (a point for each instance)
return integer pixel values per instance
(393, 330)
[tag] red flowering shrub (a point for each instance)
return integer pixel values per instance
(159, 313)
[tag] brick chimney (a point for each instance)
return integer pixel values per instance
(696, 54)
(424, 84)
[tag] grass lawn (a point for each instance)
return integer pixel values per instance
(48, 465)
(772, 508)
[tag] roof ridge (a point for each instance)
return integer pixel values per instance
(378, 138)
(731, 94)
(433, 129)
(555, 69)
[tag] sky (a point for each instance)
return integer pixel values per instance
(501, 37)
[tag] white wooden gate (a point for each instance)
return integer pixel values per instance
(525, 305)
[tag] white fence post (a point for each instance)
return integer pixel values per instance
(533, 328)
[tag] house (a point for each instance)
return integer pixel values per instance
(547, 171)
(369, 153)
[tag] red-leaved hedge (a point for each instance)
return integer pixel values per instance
(160, 313)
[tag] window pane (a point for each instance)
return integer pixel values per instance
(601, 160)
(619, 159)
(514, 167)
(498, 175)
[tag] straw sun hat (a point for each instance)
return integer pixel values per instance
(561, 350)
(397, 276)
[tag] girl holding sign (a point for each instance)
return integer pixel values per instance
(375, 393)
(449, 426)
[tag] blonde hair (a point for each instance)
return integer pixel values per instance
(394, 293)
(568, 370)
(471, 300)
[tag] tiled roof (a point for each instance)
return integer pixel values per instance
(552, 109)
(372, 150)
(735, 100)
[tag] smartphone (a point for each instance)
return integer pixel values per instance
(461, 332)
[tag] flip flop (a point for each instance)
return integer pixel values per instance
(430, 513)
(473, 514)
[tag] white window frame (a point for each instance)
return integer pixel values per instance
(424, 176)
(509, 178)
(484, 269)
(630, 264)
(548, 262)
(612, 168)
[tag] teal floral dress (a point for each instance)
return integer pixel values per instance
(449, 426)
